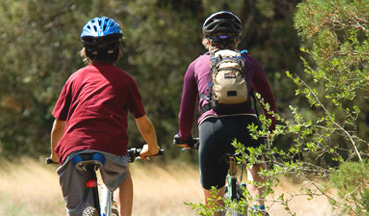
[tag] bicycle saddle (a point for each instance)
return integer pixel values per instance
(82, 161)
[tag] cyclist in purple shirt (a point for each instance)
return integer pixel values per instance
(222, 30)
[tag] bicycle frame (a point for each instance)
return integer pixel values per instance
(234, 187)
(232, 178)
(106, 203)
(91, 162)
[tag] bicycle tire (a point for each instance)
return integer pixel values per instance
(230, 211)
(114, 212)
(90, 211)
(114, 208)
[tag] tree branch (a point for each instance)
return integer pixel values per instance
(334, 122)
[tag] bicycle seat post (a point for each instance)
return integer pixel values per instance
(92, 184)
(232, 166)
(90, 163)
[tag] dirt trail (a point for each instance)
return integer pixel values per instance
(32, 188)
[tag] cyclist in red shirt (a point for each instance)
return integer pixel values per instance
(222, 30)
(91, 115)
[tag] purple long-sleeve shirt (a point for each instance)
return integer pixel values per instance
(196, 81)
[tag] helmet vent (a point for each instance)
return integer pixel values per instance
(222, 22)
(101, 27)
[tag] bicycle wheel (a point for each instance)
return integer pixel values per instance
(230, 211)
(90, 211)
(114, 212)
(114, 208)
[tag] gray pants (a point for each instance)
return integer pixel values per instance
(73, 182)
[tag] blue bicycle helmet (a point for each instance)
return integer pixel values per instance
(100, 27)
(101, 37)
(101, 33)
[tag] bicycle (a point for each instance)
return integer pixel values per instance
(91, 162)
(234, 186)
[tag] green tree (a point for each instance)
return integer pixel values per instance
(339, 75)
(40, 45)
(329, 134)
(337, 34)
(330, 139)
(351, 181)
(36, 59)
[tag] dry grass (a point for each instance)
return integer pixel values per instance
(29, 188)
(32, 188)
(163, 191)
(319, 206)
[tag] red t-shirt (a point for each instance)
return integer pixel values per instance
(94, 103)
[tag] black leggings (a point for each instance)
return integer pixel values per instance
(216, 137)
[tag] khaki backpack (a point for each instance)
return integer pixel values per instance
(228, 85)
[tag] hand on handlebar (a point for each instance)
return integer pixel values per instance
(191, 143)
(53, 159)
(181, 144)
(147, 152)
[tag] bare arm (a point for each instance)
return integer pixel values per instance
(147, 131)
(56, 133)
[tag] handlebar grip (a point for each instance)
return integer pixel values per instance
(176, 140)
(138, 152)
(160, 153)
(134, 153)
(195, 143)
(48, 160)
(192, 143)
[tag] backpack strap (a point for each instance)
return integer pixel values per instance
(252, 93)
(205, 108)
(207, 97)
(252, 90)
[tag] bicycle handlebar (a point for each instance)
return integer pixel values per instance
(48, 160)
(133, 153)
(192, 143)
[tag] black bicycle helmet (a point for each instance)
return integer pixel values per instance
(223, 25)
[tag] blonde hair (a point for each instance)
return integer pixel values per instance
(206, 43)
(86, 59)
(209, 46)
